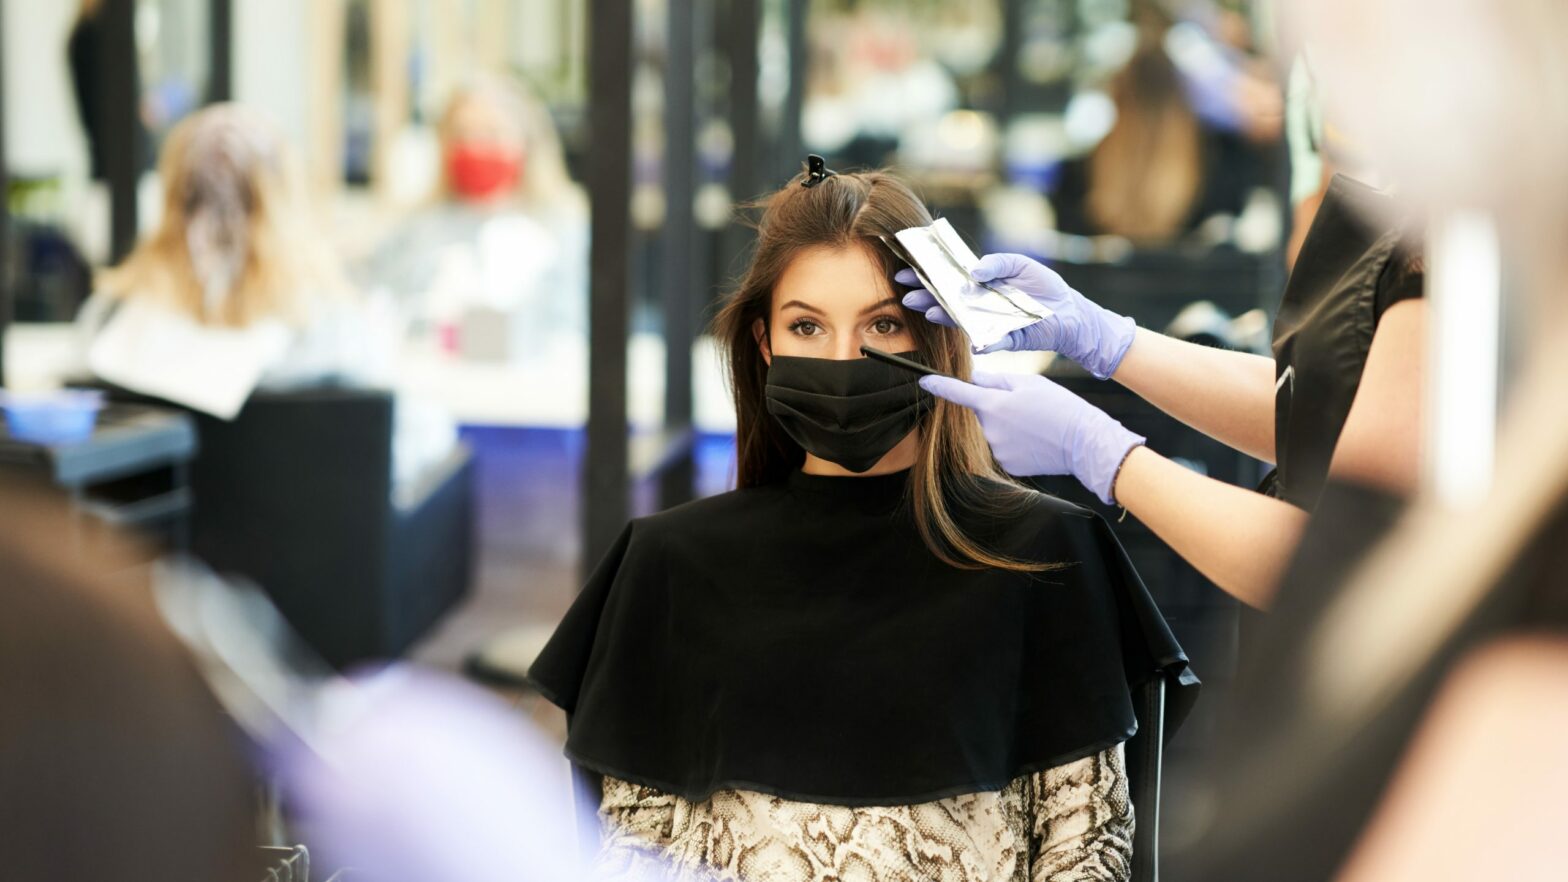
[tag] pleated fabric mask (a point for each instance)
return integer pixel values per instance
(846, 411)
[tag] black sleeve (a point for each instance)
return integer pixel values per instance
(1403, 278)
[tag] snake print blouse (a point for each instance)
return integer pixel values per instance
(1070, 823)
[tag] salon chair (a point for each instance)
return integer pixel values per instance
(1145, 755)
(296, 495)
(1144, 751)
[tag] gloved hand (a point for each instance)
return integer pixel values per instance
(1077, 327)
(1036, 427)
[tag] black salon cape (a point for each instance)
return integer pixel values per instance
(799, 639)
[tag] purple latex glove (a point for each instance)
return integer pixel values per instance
(1077, 328)
(1036, 427)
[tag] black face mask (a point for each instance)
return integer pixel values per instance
(850, 412)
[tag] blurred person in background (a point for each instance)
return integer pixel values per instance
(116, 762)
(869, 83)
(124, 755)
(1188, 143)
(86, 51)
(234, 291)
(508, 232)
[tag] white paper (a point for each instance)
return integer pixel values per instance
(160, 352)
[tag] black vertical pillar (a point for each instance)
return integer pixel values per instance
(7, 269)
(220, 49)
(709, 106)
(610, 64)
(745, 18)
(790, 140)
(1010, 85)
(120, 127)
(678, 241)
(751, 166)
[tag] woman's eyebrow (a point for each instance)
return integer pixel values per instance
(803, 305)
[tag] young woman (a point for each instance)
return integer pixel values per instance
(878, 658)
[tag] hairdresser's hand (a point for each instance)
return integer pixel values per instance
(1036, 427)
(1077, 328)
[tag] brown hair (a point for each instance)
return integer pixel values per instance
(953, 471)
(1145, 175)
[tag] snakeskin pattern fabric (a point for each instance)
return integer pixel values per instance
(1070, 823)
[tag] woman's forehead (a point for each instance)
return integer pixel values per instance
(844, 278)
(479, 115)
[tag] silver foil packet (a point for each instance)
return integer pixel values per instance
(986, 311)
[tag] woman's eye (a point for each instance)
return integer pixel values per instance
(804, 327)
(887, 326)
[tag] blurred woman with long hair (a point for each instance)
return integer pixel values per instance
(508, 229)
(235, 290)
(235, 244)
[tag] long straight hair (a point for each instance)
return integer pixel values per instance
(954, 471)
(1146, 176)
(228, 168)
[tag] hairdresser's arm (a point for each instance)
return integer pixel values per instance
(1243, 540)
(1226, 395)
(1239, 539)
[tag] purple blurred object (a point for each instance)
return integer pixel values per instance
(1209, 75)
(61, 416)
(1040, 175)
(416, 775)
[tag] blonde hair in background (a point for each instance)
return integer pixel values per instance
(545, 185)
(236, 244)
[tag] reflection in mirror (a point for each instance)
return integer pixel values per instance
(172, 48)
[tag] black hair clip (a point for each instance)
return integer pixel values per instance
(817, 171)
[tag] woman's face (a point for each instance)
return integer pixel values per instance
(484, 150)
(478, 119)
(829, 302)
